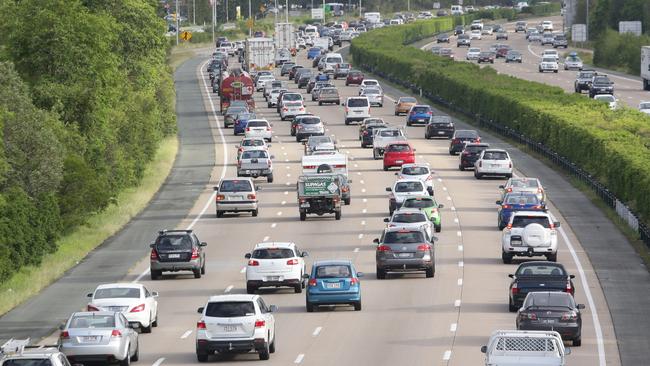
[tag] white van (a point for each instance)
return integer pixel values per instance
(331, 60)
(372, 17)
(338, 162)
(311, 31)
(356, 109)
(457, 10)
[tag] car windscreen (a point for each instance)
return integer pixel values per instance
(357, 102)
(644, 106)
(254, 154)
(273, 253)
(409, 218)
(291, 96)
(117, 293)
(549, 59)
(309, 121)
(474, 50)
(420, 109)
(495, 155)
(601, 80)
(540, 270)
(586, 75)
(258, 124)
(389, 133)
(521, 199)
(315, 140)
(520, 221)
(407, 100)
(403, 237)
(230, 309)
(333, 271)
(398, 148)
(560, 38)
(173, 242)
(333, 60)
(252, 142)
(415, 170)
(465, 134)
(92, 321)
(485, 54)
(418, 203)
(550, 299)
(314, 50)
(235, 186)
(402, 187)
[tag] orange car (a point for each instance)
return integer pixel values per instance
(404, 104)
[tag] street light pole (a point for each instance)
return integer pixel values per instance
(359, 8)
(194, 12)
(286, 11)
(177, 16)
(227, 11)
(276, 11)
(587, 21)
(214, 18)
(250, 18)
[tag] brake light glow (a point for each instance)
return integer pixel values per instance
(116, 333)
(259, 323)
(570, 316)
(248, 129)
(383, 248)
(221, 197)
(154, 255)
(195, 253)
(531, 316)
(293, 262)
(65, 335)
(569, 288)
(312, 282)
(354, 281)
(506, 206)
(514, 289)
(424, 247)
(251, 196)
(253, 262)
(200, 325)
(137, 309)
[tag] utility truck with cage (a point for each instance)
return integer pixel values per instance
(18, 352)
(319, 194)
(525, 348)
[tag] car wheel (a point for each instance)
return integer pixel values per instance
(347, 201)
(381, 273)
(136, 355)
(268, 105)
(203, 269)
(427, 137)
(269, 178)
(264, 352)
(397, 114)
(197, 273)
(381, 105)
(297, 288)
(408, 123)
(430, 191)
(451, 152)
(430, 272)
(250, 289)
(127, 360)
(511, 306)
(460, 167)
(363, 146)
(577, 342)
(320, 103)
(385, 168)
(552, 257)
(155, 322)
(255, 212)
(337, 215)
(438, 228)
(219, 214)
(155, 275)
(555, 71)
(272, 346)
(303, 216)
(347, 122)
(477, 175)
(357, 306)
(309, 306)
(506, 257)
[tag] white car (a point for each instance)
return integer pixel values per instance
(473, 53)
(607, 98)
(418, 171)
(374, 95)
(525, 347)
(235, 323)
(274, 264)
(261, 81)
(487, 30)
(273, 97)
(410, 218)
(476, 24)
(528, 234)
(548, 64)
(292, 109)
(644, 107)
(259, 128)
(573, 62)
(403, 189)
(300, 43)
(136, 302)
(547, 26)
(356, 109)
(368, 83)
(551, 53)
(493, 162)
(251, 143)
(475, 34)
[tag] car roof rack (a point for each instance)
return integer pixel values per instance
(14, 347)
(165, 231)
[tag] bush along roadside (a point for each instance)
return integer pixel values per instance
(609, 147)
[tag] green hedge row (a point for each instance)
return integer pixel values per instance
(620, 51)
(614, 146)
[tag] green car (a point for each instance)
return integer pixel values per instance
(429, 205)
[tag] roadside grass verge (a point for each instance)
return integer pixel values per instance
(183, 52)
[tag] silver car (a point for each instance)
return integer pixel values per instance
(236, 195)
(251, 143)
(524, 184)
(375, 96)
(103, 336)
(410, 218)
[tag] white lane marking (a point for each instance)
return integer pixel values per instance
(282, 147)
(532, 52)
(461, 264)
(453, 208)
(229, 288)
(365, 200)
(457, 303)
(363, 190)
(288, 183)
(358, 173)
(453, 327)
(266, 238)
(448, 198)
(590, 299)
(356, 165)
(286, 193)
(363, 222)
(186, 334)
(360, 236)
(288, 175)
(446, 356)
(362, 182)
(456, 220)
(356, 250)
(364, 211)
(459, 233)
(159, 361)
(243, 270)
(444, 188)
(279, 213)
(273, 225)
(460, 282)
(288, 167)
(286, 161)
(317, 331)
(283, 203)
(389, 98)
(460, 248)
(299, 358)
(439, 179)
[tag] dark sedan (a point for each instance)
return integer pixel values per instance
(366, 133)
(486, 57)
(513, 56)
(354, 77)
(470, 154)
(442, 38)
(459, 30)
(502, 51)
(460, 138)
(439, 126)
(556, 311)
(535, 276)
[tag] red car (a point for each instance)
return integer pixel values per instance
(398, 153)
(354, 77)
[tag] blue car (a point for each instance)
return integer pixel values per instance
(241, 121)
(419, 113)
(333, 282)
(313, 52)
(517, 201)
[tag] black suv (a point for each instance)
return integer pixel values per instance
(470, 154)
(584, 80)
(439, 126)
(177, 250)
(462, 137)
(600, 84)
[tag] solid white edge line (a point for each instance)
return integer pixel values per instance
(356, 250)
(266, 238)
(592, 305)
(457, 303)
(446, 356)
(159, 361)
(229, 288)
(186, 334)
(317, 331)
(242, 270)
(299, 358)
(453, 327)
(460, 282)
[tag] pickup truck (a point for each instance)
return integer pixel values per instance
(255, 163)
(384, 136)
(524, 347)
(319, 194)
(538, 276)
(583, 80)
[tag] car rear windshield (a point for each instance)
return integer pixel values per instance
(92, 321)
(357, 102)
(495, 155)
(236, 110)
(328, 91)
(310, 121)
(522, 199)
(252, 142)
(407, 100)
(254, 154)
(235, 186)
(475, 149)
(389, 133)
(291, 96)
(370, 82)
(273, 253)
(315, 140)
(117, 293)
(173, 242)
(415, 170)
(27, 362)
(245, 116)
(408, 187)
(421, 109)
(540, 270)
(230, 309)
(403, 237)
(371, 91)
(294, 104)
(398, 148)
(523, 221)
(466, 133)
(419, 203)
(586, 75)
(409, 218)
(553, 299)
(333, 271)
(524, 183)
(258, 124)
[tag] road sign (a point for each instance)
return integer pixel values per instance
(186, 36)
(633, 27)
(579, 33)
(250, 23)
(436, 5)
(317, 13)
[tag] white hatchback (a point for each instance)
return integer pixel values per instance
(493, 162)
(473, 53)
(410, 218)
(274, 264)
(418, 171)
(259, 128)
(356, 109)
(475, 34)
(136, 302)
(292, 109)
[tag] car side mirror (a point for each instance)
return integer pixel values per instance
(572, 276)
(268, 145)
(258, 188)
(433, 239)
(200, 310)
(556, 224)
(386, 219)
(581, 306)
(498, 202)
(247, 256)
(89, 295)
(388, 189)
(343, 104)
(441, 206)
(483, 349)
(203, 244)
(567, 351)
(152, 245)
(349, 180)
(215, 188)
(305, 276)
(272, 156)
(154, 293)
(359, 274)
(273, 308)
(304, 254)
(511, 275)
(376, 241)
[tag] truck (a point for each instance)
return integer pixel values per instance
(238, 85)
(525, 347)
(259, 54)
(372, 17)
(284, 36)
(319, 194)
(645, 67)
(337, 162)
(322, 42)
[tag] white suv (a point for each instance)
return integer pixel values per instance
(493, 162)
(356, 109)
(275, 265)
(528, 234)
(235, 323)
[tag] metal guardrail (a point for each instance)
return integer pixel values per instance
(622, 209)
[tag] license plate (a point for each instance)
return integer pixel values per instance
(404, 255)
(90, 339)
(420, 119)
(236, 198)
(306, 204)
(229, 328)
(273, 278)
(333, 285)
(548, 321)
(174, 256)
(516, 242)
(399, 161)
(441, 132)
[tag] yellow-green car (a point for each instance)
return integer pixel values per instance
(429, 205)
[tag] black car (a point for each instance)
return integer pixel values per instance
(470, 154)
(600, 84)
(303, 80)
(177, 250)
(286, 67)
(439, 126)
(441, 13)
(442, 38)
(583, 81)
(459, 30)
(460, 138)
(513, 56)
(535, 276)
(556, 311)
(316, 60)
(486, 57)
(366, 134)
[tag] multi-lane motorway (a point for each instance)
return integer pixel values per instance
(628, 89)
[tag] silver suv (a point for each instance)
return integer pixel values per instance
(404, 250)
(236, 195)
(177, 250)
(309, 126)
(19, 352)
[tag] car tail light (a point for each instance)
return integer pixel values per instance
(568, 288)
(571, 315)
(509, 189)
(302, 109)
(537, 207)
(365, 133)
(531, 316)
(238, 163)
(506, 206)
(430, 113)
(293, 262)
(221, 197)
(466, 152)
(259, 323)
(455, 141)
(312, 282)
(514, 289)
(302, 200)
(424, 247)
(384, 248)
(137, 309)
(248, 129)
(354, 281)
(510, 165)
(478, 139)
(251, 196)
(64, 335)
(253, 262)
(154, 255)
(345, 189)
(195, 253)
(430, 177)
(285, 109)
(91, 307)
(300, 127)
(200, 325)
(480, 163)
(116, 333)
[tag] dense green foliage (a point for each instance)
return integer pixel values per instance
(620, 51)
(613, 146)
(85, 98)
